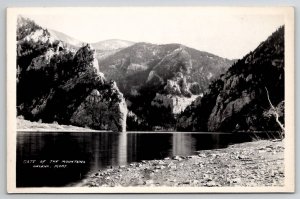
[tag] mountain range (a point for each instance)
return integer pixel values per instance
(111, 44)
(164, 87)
(155, 78)
(66, 38)
(105, 45)
(103, 48)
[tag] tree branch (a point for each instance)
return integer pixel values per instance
(274, 111)
(272, 107)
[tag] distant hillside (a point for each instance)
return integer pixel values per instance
(110, 47)
(161, 78)
(65, 38)
(111, 44)
(238, 100)
(131, 66)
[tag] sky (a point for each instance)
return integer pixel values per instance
(226, 33)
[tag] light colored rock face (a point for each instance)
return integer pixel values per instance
(176, 103)
(189, 121)
(40, 35)
(41, 61)
(151, 75)
(137, 67)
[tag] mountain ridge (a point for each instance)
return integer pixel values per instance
(144, 56)
(66, 38)
(111, 44)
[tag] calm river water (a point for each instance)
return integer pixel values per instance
(61, 158)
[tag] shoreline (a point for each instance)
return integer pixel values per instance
(59, 130)
(257, 163)
(29, 126)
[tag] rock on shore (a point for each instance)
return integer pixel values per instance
(259, 163)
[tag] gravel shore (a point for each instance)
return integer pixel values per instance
(25, 125)
(258, 163)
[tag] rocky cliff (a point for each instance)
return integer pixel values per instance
(56, 83)
(238, 100)
(176, 103)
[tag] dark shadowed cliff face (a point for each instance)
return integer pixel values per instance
(238, 100)
(56, 83)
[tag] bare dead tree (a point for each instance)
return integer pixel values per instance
(274, 112)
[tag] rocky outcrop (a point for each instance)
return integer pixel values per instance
(238, 100)
(98, 112)
(222, 112)
(41, 61)
(172, 88)
(177, 104)
(188, 120)
(57, 84)
(39, 35)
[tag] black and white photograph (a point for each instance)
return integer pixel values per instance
(150, 99)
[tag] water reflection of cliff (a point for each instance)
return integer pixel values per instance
(104, 150)
(216, 140)
(182, 144)
(147, 146)
(133, 143)
(109, 150)
(122, 149)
